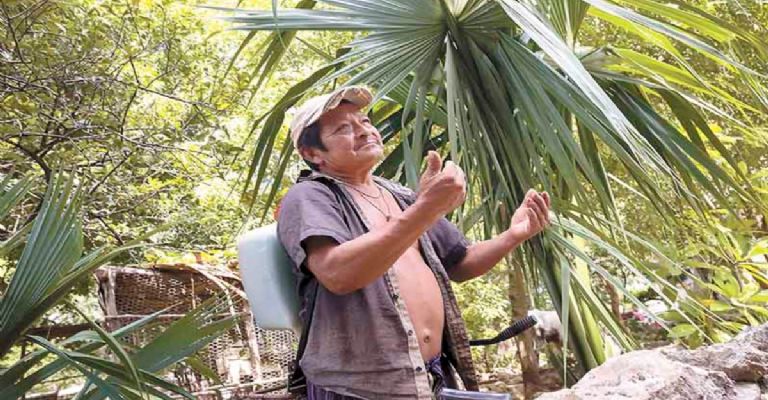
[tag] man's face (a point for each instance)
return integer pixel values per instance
(352, 143)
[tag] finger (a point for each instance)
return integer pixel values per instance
(458, 197)
(461, 180)
(548, 203)
(528, 194)
(534, 218)
(461, 197)
(462, 177)
(450, 169)
(537, 208)
(449, 166)
(539, 200)
(434, 163)
(533, 204)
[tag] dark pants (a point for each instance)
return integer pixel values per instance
(436, 378)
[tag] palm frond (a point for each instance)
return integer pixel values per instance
(108, 379)
(626, 17)
(53, 247)
(12, 193)
(15, 380)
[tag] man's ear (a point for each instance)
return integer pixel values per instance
(311, 154)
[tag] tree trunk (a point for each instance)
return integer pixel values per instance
(529, 359)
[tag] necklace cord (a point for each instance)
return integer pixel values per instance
(368, 198)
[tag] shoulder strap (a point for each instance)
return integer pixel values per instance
(297, 383)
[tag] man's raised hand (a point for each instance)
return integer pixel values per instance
(532, 216)
(441, 187)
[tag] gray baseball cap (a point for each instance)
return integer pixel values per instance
(312, 109)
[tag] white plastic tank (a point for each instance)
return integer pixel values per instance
(268, 279)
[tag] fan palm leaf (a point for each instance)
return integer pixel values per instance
(50, 265)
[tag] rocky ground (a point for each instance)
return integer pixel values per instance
(510, 381)
(737, 370)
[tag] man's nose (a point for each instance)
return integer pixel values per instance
(364, 129)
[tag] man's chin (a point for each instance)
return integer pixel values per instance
(371, 151)
(370, 159)
(379, 155)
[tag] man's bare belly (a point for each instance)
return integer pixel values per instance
(418, 285)
(421, 294)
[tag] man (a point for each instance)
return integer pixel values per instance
(374, 260)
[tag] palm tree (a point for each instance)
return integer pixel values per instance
(503, 88)
(50, 265)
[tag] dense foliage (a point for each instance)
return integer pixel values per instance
(167, 121)
(509, 90)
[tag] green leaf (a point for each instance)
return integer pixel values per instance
(53, 247)
(203, 369)
(760, 298)
(13, 382)
(758, 249)
(719, 306)
(111, 390)
(185, 336)
(681, 331)
(672, 32)
(727, 283)
(116, 348)
(12, 193)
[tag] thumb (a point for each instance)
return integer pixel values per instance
(434, 164)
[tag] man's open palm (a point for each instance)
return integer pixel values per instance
(532, 216)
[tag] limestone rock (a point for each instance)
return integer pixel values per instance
(747, 391)
(745, 358)
(647, 375)
(727, 371)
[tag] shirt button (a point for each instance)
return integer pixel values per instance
(395, 297)
(410, 333)
(419, 369)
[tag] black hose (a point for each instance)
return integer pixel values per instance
(515, 329)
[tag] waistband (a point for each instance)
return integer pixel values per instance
(435, 374)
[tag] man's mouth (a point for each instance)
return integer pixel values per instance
(369, 143)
